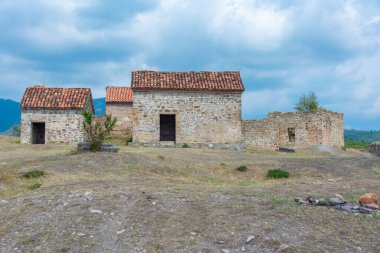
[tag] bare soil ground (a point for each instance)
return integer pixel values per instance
(181, 200)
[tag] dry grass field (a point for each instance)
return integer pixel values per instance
(181, 200)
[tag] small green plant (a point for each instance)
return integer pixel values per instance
(222, 164)
(356, 144)
(242, 168)
(34, 186)
(97, 130)
(185, 145)
(129, 140)
(277, 173)
(161, 157)
(34, 174)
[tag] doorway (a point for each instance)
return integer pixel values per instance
(38, 133)
(167, 127)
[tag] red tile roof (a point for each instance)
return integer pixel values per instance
(187, 81)
(40, 97)
(119, 94)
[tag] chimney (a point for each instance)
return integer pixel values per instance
(39, 86)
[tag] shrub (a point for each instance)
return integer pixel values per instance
(129, 140)
(16, 130)
(34, 174)
(307, 102)
(277, 173)
(34, 186)
(242, 168)
(161, 157)
(185, 145)
(97, 131)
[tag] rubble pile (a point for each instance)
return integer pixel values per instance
(367, 203)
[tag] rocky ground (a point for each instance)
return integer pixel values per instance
(182, 200)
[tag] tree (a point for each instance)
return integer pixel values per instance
(97, 131)
(16, 130)
(307, 102)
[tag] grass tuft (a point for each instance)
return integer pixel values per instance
(34, 186)
(161, 157)
(242, 168)
(34, 174)
(277, 173)
(185, 145)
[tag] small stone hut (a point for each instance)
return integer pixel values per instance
(187, 107)
(54, 115)
(119, 102)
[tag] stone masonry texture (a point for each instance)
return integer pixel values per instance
(61, 126)
(310, 128)
(201, 117)
(123, 113)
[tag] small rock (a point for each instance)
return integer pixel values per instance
(365, 210)
(368, 198)
(372, 206)
(88, 196)
(250, 238)
(310, 199)
(300, 201)
(321, 202)
(120, 232)
(242, 249)
(3, 202)
(80, 234)
(336, 201)
(226, 251)
(221, 242)
(193, 233)
(283, 247)
(95, 211)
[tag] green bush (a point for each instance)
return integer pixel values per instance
(277, 173)
(34, 174)
(97, 130)
(356, 144)
(242, 168)
(129, 140)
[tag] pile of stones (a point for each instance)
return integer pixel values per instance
(367, 203)
(86, 146)
(374, 148)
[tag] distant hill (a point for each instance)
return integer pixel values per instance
(9, 114)
(360, 135)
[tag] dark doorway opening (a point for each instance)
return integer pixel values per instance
(167, 127)
(38, 133)
(292, 134)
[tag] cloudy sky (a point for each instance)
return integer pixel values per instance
(283, 48)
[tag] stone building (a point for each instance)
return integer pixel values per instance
(54, 115)
(119, 101)
(295, 129)
(187, 107)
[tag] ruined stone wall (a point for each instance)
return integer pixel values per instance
(200, 117)
(61, 126)
(124, 114)
(311, 128)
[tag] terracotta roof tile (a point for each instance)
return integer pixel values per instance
(40, 97)
(119, 95)
(189, 81)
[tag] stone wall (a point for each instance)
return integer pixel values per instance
(201, 117)
(123, 113)
(61, 126)
(310, 128)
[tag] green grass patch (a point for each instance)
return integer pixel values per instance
(34, 174)
(277, 173)
(161, 157)
(242, 168)
(185, 145)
